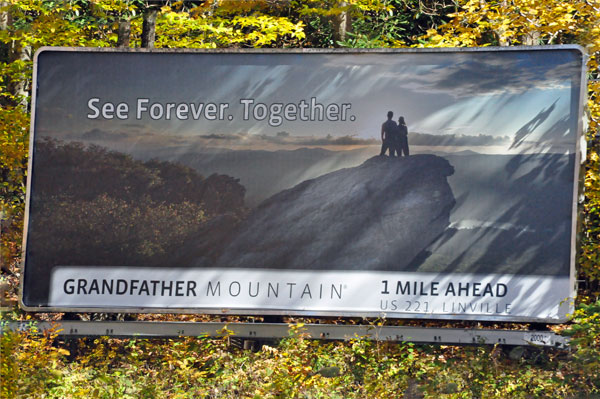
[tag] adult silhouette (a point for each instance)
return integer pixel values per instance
(388, 135)
(402, 139)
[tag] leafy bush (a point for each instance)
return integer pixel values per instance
(30, 364)
(296, 367)
(585, 332)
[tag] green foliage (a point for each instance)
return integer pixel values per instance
(30, 364)
(358, 40)
(589, 255)
(296, 367)
(373, 23)
(585, 332)
(14, 143)
(395, 23)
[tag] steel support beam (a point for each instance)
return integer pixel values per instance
(442, 336)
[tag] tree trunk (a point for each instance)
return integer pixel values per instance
(342, 24)
(5, 22)
(149, 27)
(124, 33)
(20, 88)
(5, 17)
(532, 38)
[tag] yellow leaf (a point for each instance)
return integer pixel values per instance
(63, 352)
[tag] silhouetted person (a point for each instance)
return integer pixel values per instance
(402, 138)
(388, 135)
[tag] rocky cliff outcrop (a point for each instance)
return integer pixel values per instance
(377, 216)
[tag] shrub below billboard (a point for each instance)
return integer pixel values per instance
(433, 184)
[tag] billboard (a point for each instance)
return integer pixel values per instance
(408, 184)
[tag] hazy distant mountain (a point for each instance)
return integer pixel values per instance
(459, 140)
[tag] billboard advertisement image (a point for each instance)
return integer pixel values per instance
(406, 184)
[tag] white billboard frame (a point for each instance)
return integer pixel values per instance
(566, 306)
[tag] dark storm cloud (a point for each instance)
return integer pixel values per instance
(495, 74)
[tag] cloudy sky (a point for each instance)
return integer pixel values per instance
(529, 96)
